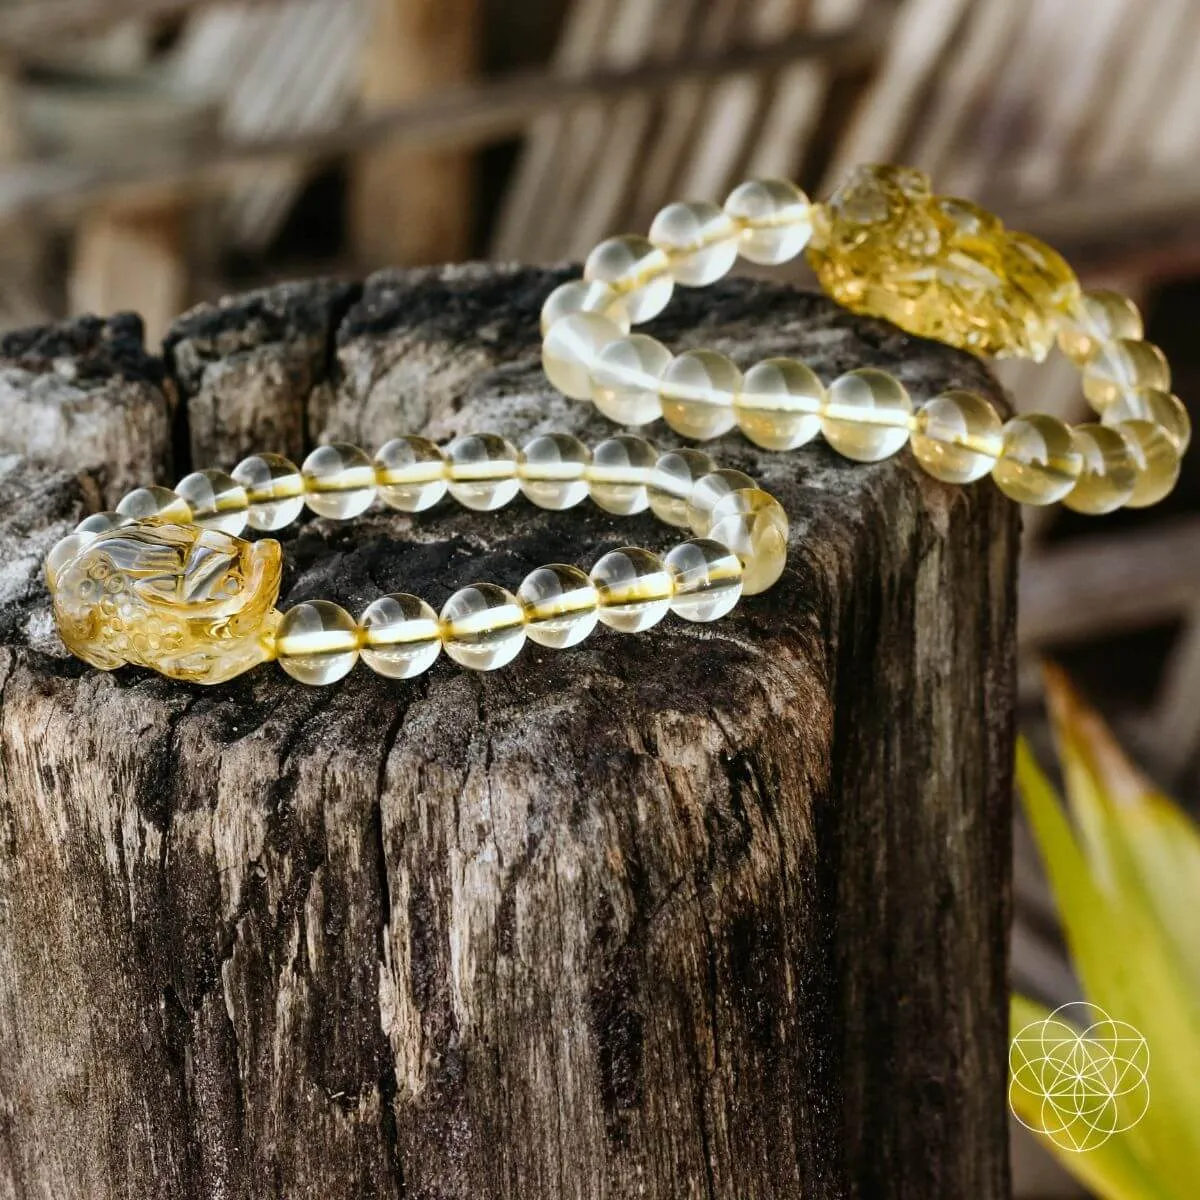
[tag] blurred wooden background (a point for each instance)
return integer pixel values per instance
(158, 152)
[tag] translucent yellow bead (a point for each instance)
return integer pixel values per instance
(957, 436)
(63, 552)
(1095, 318)
(561, 605)
(483, 626)
(1159, 408)
(866, 415)
(637, 269)
(699, 240)
(709, 491)
(1039, 461)
(1109, 472)
(627, 377)
(779, 404)
(635, 589)
(482, 469)
(102, 522)
(274, 490)
(708, 579)
(410, 474)
(676, 474)
(776, 220)
(1124, 366)
(156, 504)
(553, 470)
(400, 636)
(754, 526)
(339, 481)
(1157, 462)
(622, 470)
(217, 500)
(698, 390)
(317, 642)
(581, 296)
(571, 348)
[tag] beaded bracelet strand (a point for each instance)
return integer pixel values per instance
(166, 581)
(883, 245)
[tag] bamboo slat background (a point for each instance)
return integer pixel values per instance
(155, 152)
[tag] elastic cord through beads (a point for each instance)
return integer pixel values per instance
(127, 583)
(1021, 296)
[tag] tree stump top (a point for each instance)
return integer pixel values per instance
(713, 911)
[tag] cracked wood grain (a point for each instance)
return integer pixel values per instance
(714, 913)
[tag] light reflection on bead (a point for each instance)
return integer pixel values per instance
(709, 491)
(102, 522)
(217, 500)
(410, 474)
(754, 526)
(1097, 317)
(1159, 408)
(867, 414)
(698, 390)
(676, 473)
(1039, 462)
(776, 220)
(635, 589)
(156, 504)
(957, 436)
(699, 240)
(339, 481)
(570, 350)
(482, 470)
(483, 627)
(637, 269)
(561, 605)
(627, 377)
(553, 470)
(317, 642)
(1157, 462)
(400, 636)
(274, 490)
(581, 296)
(779, 404)
(708, 579)
(1123, 366)
(1109, 472)
(621, 471)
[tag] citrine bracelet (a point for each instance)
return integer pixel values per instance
(883, 245)
(167, 582)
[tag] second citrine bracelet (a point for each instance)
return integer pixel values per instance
(884, 245)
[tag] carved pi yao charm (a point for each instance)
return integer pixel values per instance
(884, 245)
(192, 603)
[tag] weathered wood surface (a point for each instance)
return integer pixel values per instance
(707, 912)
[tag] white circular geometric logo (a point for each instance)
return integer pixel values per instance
(1085, 1075)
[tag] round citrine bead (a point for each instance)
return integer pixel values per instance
(1157, 459)
(581, 296)
(1039, 461)
(156, 504)
(754, 526)
(1097, 317)
(626, 379)
(483, 626)
(621, 472)
(699, 240)
(561, 605)
(482, 471)
(217, 500)
(571, 350)
(866, 415)
(635, 589)
(698, 390)
(1121, 366)
(339, 481)
(317, 642)
(1159, 408)
(400, 636)
(1109, 472)
(776, 220)
(410, 474)
(553, 470)
(957, 436)
(676, 474)
(637, 269)
(274, 490)
(708, 579)
(779, 404)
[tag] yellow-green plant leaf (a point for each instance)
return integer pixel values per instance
(1127, 966)
(1111, 1170)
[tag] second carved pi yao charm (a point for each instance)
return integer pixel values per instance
(884, 244)
(192, 603)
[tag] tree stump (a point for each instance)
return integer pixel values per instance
(714, 912)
